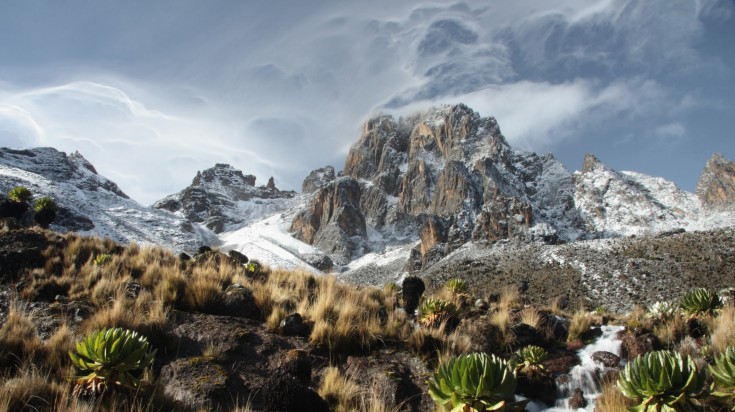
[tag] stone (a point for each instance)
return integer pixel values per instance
(21, 250)
(607, 359)
(577, 401)
(293, 325)
(296, 363)
(284, 393)
(637, 344)
(237, 258)
(537, 386)
(239, 301)
(195, 382)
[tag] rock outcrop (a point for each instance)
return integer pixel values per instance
(90, 203)
(333, 222)
(447, 176)
(318, 178)
(215, 195)
(716, 186)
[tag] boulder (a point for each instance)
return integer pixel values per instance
(20, 250)
(577, 401)
(606, 359)
(239, 301)
(284, 393)
(638, 344)
(196, 382)
(716, 186)
(293, 325)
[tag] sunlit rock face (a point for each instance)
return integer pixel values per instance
(716, 186)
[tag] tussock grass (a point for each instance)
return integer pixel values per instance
(723, 329)
(611, 399)
(341, 393)
(580, 324)
(18, 340)
(670, 331)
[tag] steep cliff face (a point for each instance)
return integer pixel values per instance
(716, 186)
(449, 168)
(222, 198)
(332, 221)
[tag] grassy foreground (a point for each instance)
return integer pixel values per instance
(139, 288)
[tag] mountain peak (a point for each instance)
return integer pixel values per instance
(716, 186)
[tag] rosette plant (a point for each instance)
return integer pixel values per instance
(45, 208)
(474, 382)
(112, 356)
(662, 381)
(434, 311)
(529, 360)
(700, 301)
(456, 286)
(19, 194)
(723, 375)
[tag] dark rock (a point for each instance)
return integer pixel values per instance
(319, 261)
(293, 325)
(132, 289)
(271, 184)
(526, 335)
(634, 345)
(296, 363)
(72, 221)
(20, 250)
(184, 257)
(696, 328)
(239, 301)
(560, 362)
(538, 387)
(412, 289)
(237, 258)
(196, 382)
(607, 359)
(577, 401)
(284, 393)
(44, 217)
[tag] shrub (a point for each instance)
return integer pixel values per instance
(662, 380)
(456, 286)
(700, 301)
(102, 259)
(723, 374)
(434, 311)
(111, 355)
(45, 208)
(529, 360)
(476, 381)
(19, 194)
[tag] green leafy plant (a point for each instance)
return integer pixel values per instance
(253, 267)
(456, 286)
(700, 301)
(723, 374)
(102, 259)
(19, 194)
(434, 311)
(529, 360)
(111, 356)
(474, 382)
(662, 381)
(45, 208)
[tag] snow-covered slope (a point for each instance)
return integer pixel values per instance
(92, 204)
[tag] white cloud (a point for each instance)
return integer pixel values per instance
(670, 131)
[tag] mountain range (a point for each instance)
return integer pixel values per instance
(414, 193)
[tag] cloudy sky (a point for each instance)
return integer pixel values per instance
(152, 91)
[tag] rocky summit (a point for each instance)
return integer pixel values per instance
(221, 197)
(447, 176)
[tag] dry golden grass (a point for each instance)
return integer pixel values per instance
(723, 329)
(57, 347)
(510, 298)
(580, 323)
(31, 390)
(340, 393)
(531, 317)
(671, 330)
(18, 340)
(611, 399)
